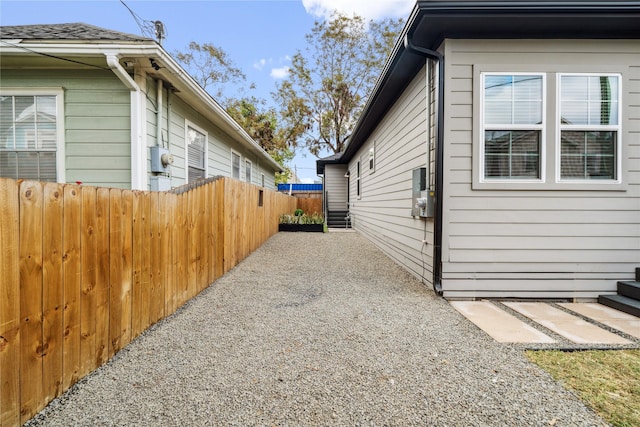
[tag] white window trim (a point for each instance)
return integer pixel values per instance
(58, 92)
(372, 158)
(247, 161)
(617, 128)
(239, 164)
(188, 124)
(358, 180)
(542, 128)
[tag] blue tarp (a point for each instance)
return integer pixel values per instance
(297, 188)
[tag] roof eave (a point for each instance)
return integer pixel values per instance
(619, 18)
(170, 72)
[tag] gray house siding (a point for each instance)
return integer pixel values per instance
(97, 122)
(383, 211)
(335, 185)
(549, 239)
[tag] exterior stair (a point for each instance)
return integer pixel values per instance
(628, 297)
(338, 219)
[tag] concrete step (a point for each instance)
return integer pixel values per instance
(629, 289)
(622, 303)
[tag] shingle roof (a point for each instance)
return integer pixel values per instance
(71, 31)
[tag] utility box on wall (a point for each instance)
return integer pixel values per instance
(422, 198)
(161, 159)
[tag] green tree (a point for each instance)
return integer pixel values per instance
(211, 67)
(261, 124)
(326, 89)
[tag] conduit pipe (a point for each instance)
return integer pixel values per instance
(437, 233)
(137, 153)
(159, 140)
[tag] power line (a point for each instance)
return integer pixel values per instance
(54, 56)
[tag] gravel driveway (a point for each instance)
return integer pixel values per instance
(317, 329)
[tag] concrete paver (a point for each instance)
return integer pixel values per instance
(500, 325)
(607, 316)
(571, 327)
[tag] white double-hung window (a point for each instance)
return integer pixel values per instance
(247, 171)
(235, 165)
(31, 135)
(512, 126)
(589, 123)
(196, 153)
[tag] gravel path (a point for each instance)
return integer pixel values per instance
(317, 329)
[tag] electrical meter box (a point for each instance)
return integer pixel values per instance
(160, 160)
(422, 198)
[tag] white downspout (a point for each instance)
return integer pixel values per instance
(138, 159)
(159, 140)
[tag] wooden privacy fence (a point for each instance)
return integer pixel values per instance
(310, 205)
(85, 270)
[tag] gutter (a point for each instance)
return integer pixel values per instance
(438, 220)
(138, 158)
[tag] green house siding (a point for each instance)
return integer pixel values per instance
(97, 122)
(219, 144)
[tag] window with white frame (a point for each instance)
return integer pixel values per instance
(196, 153)
(235, 165)
(30, 129)
(589, 121)
(358, 179)
(247, 171)
(512, 126)
(372, 157)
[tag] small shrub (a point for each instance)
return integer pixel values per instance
(303, 218)
(298, 212)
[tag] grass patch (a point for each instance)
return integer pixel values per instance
(607, 380)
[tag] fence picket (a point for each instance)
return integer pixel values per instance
(137, 250)
(53, 292)
(71, 264)
(31, 393)
(145, 272)
(9, 303)
(115, 271)
(101, 353)
(127, 266)
(88, 299)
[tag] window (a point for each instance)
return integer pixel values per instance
(247, 171)
(589, 123)
(358, 179)
(197, 153)
(371, 159)
(235, 165)
(512, 126)
(30, 135)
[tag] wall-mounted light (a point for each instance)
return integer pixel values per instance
(347, 175)
(154, 64)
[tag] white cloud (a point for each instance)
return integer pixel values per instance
(260, 64)
(279, 73)
(370, 10)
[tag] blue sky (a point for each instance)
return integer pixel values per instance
(260, 36)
